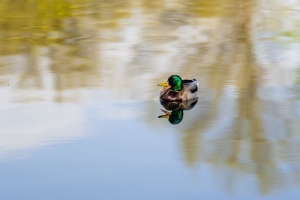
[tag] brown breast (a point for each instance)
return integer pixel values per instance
(171, 95)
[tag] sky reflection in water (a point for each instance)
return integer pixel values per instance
(79, 101)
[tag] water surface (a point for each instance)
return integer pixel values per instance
(79, 101)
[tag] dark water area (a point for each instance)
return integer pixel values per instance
(80, 103)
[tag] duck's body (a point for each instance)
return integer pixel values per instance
(179, 90)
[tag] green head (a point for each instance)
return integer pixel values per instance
(174, 117)
(175, 82)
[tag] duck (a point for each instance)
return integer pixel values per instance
(174, 117)
(178, 90)
(176, 108)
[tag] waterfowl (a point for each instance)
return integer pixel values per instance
(174, 117)
(178, 90)
(176, 108)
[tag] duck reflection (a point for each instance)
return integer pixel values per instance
(176, 108)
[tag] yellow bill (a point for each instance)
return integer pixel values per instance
(163, 84)
(164, 116)
(167, 114)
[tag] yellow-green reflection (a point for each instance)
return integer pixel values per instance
(59, 48)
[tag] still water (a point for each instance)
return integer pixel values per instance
(79, 102)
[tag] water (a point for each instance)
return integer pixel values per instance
(79, 101)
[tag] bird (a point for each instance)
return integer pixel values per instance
(176, 108)
(178, 90)
(174, 117)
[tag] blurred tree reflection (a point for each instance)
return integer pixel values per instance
(234, 65)
(225, 58)
(39, 35)
(73, 44)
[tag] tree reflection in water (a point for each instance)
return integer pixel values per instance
(237, 50)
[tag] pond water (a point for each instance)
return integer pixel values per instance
(80, 103)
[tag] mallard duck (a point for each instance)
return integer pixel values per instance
(178, 90)
(174, 117)
(176, 108)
